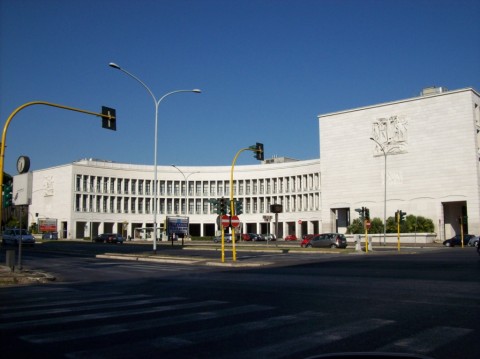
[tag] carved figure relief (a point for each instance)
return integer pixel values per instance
(48, 189)
(392, 134)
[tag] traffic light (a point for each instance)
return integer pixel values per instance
(7, 195)
(222, 206)
(215, 205)
(109, 118)
(400, 216)
(367, 214)
(259, 151)
(361, 213)
(238, 207)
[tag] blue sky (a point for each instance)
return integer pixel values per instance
(267, 68)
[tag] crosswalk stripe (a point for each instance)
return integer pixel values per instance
(112, 303)
(116, 314)
(315, 339)
(96, 331)
(426, 341)
(175, 342)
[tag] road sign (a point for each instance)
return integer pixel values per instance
(368, 224)
(235, 221)
(225, 221)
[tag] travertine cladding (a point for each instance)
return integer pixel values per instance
(440, 164)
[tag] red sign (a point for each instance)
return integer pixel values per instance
(368, 224)
(225, 221)
(235, 221)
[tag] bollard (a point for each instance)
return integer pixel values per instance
(358, 243)
(10, 258)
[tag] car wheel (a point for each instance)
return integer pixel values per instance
(333, 246)
(448, 244)
(308, 245)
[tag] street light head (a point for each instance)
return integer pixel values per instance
(114, 65)
(372, 138)
(197, 91)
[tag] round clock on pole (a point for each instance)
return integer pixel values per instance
(23, 164)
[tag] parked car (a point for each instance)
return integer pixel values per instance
(109, 238)
(328, 240)
(306, 239)
(253, 237)
(269, 237)
(227, 237)
(457, 240)
(13, 235)
(291, 237)
(473, 242)
(50, 235)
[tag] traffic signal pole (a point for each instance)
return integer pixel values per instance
(110, 117)
(258, 149)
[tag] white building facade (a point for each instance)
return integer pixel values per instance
(432, 151)
(90, 197)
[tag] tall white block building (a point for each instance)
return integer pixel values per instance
(431, 146)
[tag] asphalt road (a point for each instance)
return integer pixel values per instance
(423, 301)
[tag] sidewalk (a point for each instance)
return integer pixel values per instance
(24, 276)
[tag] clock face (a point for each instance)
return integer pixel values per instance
(23, 164)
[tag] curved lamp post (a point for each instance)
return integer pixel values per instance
(155, 171)
(385, 191)
(186, 186)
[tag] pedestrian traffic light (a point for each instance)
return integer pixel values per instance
(238, 207)
(7, 195)
(259, 151)
(109, 118)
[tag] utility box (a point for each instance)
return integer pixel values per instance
(10, 259)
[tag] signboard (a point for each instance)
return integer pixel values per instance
(47, 225)
(22, 189)
(235, 221)
(225, 221)
(177, 225)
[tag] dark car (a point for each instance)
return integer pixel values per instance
(328, 240)
(252, 237)
(109, 238)
(50, 235)
(457, 240)
(12, 236)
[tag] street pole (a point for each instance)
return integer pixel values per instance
(155, 169)
(384, 192)
(18, 109)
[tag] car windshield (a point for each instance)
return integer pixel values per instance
(23, 232)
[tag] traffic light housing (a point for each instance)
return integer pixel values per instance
(367, 214)
(238, 207)
(400, 216)
(259, 151)
(7, 195)
(109, 118)
(222, 206)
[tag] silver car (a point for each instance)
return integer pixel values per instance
(328, 240)
(473, 242)
(13, 235)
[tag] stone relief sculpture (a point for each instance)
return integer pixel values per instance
(48, 183)
(392, 134)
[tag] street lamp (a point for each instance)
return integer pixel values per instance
(385, 191)
(186, 186)
(155, 170)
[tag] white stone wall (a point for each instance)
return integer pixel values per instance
(439, 165)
